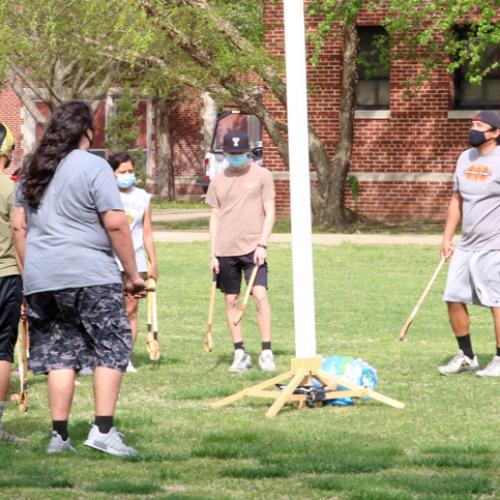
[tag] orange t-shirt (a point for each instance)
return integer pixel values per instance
(240, 198)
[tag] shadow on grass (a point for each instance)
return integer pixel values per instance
(464, 457)
(126, 487)
(349, 465)
(281, 457)
(404, 485)
(30, 475)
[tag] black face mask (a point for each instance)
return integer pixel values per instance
(476, 138)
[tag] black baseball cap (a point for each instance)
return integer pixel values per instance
(489, 117)
(235, 141)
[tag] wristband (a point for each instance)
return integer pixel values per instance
(262, 246)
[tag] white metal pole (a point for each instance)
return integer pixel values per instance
(300, 190)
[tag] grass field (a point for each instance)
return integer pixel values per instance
(284, 226)
(443, 445)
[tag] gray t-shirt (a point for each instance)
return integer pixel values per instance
(477, 179)
(67, 245)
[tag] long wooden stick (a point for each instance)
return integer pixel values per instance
(411, 317)
(208, 342)
(22, 356)
(152, 344)
(244, 307)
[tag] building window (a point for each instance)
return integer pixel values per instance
(372, 91)
(487, 94)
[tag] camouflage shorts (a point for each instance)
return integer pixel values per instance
(78, 327)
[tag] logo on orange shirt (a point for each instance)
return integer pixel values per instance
(477, 173)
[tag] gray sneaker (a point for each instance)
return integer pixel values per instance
(9, 437)
(111, 443)
(266, 361)
(460, 363)
(492, 369)
(242, 362)
(58, 445)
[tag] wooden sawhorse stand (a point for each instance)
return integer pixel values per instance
(302, 373)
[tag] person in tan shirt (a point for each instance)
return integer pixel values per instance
(242, 218)
(11, 293)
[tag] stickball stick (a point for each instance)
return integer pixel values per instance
(244, 307)
(411, 317)
(152, 344)
(208, 342)
(22, 356)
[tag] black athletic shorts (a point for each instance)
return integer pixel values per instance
(79, 327)
(11, 297)
(230, 268)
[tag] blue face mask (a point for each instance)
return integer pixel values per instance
(237, 161)
(125, 180)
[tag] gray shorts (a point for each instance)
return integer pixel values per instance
(78, 327)
(474, 278)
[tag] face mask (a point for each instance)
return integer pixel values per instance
(125, 180)
(237, 161)
(476, 138)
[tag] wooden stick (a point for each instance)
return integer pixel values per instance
(22, 356)
(244, 307)
(152, 344)
(208, 342)
(411, 317)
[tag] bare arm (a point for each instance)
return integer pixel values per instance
(116, 225)
(453, 218)
(19, 229)
(267, 228)
(149, 244)
(212, 228)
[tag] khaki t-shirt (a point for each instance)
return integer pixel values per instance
(240, 198)
(8, 263)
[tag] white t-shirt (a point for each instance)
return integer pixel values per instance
(135, 202)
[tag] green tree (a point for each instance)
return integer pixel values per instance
(215, 46)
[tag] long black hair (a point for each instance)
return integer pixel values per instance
(69, 122)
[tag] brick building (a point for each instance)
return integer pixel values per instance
(404, 149)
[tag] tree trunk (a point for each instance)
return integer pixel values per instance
(332, 211)
(209, 117)
(164, 178)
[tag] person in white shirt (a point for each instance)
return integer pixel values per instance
(137, 205)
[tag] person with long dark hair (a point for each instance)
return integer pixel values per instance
(68, 221)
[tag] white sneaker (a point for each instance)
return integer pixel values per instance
(58, 445)
(111, 442)
(460, 363)
(266, 361)
(492, 369)
(242, 362)
(131, 368)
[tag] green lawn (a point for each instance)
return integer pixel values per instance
(284, 226)
(443, 445)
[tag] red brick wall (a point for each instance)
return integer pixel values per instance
(418, 137)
